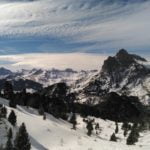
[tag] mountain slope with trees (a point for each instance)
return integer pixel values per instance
(55, 134)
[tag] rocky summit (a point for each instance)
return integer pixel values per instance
(124, 73)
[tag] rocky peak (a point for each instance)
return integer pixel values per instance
(124, 58)
(122, 52)
(120, 73)
(110, 64)
(121, 60)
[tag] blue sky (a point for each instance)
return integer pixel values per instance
(99, 27)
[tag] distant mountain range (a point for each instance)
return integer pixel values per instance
(124, 73)
(35, 79)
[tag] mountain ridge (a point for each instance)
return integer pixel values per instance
(123, 74)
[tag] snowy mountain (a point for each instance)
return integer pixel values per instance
(49, 77)
(5, 72)
(92, 96)
(57, 134)
(123, 73)
(35, 79)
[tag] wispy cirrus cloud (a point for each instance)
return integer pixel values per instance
(67, 25)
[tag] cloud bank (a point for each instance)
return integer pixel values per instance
(77, 61)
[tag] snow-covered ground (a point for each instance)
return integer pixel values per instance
(56, 134)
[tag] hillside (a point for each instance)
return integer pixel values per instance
(56, 134)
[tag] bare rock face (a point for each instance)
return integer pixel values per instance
(119, 73)
(122, 60)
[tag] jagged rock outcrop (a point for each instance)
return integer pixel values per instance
(123, 73)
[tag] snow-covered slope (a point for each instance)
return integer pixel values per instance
(56, 134)
(4, 126)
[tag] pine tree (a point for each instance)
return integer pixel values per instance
(24, 97)
(22, 141)
(124, 125)
(135, 126)
(117, 129)
(12, 118)
(133, 136)
(9, 94)
(125, 132)
(97, 128)
(41, 110)
(44, 116)
(89, 127)
(3, 112)
(113, 137)
(10, 134)
(12, 103)
(8, 90)
(73, 121)
(9, 145)
(144, 125)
